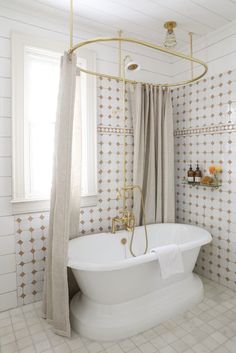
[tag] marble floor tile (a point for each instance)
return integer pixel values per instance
(209, 327)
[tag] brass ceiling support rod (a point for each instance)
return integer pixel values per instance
(120, 52)
(191, 51)
(122, 68)
(71, 22)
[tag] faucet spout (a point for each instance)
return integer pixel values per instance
(114, 221)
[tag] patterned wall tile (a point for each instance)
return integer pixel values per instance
(31, 251)
(205, 133)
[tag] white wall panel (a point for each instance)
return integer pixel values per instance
(5, 87)
(7, 263)
(5, 166)
(8, 301)
(5, 206)
(5, 50)
(5, 67)
(5, 147)
(5, 186)
(8, 282)
(5, 126)
(7, 245)
(5, 107)
(6, 225)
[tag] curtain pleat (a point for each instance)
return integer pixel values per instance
(153, 168)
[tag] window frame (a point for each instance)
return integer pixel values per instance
(20, 204)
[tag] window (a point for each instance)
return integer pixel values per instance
(36, 70)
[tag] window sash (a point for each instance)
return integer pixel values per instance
(23, 201)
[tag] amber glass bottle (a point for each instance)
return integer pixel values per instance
(190, 175)
(198, 175)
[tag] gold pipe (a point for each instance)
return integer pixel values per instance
(124, 131)
(136, 186)
(120, 53)
(71, 23)
(124, 128)
(131, 225)
(191, 51)
(146, 44)
(144, 223)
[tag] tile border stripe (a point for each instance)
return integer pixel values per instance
(213, 129)
(113, 130)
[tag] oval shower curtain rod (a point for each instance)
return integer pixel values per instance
(191, 59)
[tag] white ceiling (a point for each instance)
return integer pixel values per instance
(145, 18)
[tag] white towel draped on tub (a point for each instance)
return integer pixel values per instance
(170, 260)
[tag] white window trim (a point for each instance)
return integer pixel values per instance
(19, 203)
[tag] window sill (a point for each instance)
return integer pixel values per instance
(31, 206)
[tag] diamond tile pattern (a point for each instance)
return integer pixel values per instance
(197, 108)
(31, 251)
(209, 327)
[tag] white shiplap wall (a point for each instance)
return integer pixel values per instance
(7, 239)
(218, 50)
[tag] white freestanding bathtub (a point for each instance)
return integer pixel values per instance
(123, 295)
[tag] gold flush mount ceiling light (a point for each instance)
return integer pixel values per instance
(170, 40)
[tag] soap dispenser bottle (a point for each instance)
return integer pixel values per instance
(198, 175)
(190, 175)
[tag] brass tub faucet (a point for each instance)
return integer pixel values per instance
(127, 219)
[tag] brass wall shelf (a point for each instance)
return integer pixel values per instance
(213, 185)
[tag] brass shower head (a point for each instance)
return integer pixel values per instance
(132, 65)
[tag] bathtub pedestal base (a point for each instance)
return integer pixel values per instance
(114, 322)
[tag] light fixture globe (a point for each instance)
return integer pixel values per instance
(170, 40)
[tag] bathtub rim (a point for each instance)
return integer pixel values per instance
(134, 261)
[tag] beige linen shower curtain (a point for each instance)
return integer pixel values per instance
(153, 167)
(65, 198)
